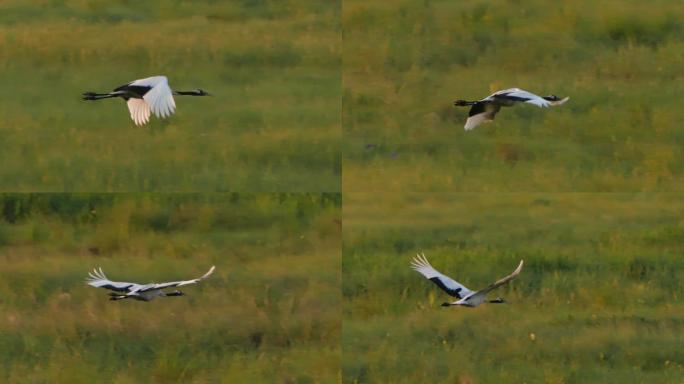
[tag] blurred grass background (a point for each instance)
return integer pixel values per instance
(272, 66)
(598, 300)
(404, 62)
(270, 313)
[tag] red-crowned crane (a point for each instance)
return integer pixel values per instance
(143, 96)
(465, 296)
(142, 292)
(483, 111)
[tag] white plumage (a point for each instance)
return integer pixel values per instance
(143, 292)
(466, 297)
(483, 111)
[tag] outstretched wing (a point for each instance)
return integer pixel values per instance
(149, 287)
(559, 102)
(140, 111)
(481, 112)
(520, 95)
(98, 279)
(160, 97)
(502, 281)
(450, 286)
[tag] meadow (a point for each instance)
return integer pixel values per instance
(270, 313)
(598, 300)
(406, 61)
(273, 123)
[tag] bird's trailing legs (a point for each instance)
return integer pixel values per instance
(464, 103)
(98, 96)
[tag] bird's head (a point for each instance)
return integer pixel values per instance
(498, 300)
(176, 293)
(460, 103)
(200, 92)
(551, 98)
(445, 304)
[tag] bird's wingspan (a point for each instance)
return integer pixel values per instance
(98, 279)
(160, 98)
(177, 283)
(140, 111)
(450, 286)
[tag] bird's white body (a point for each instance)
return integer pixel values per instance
(483, 111)
(143, 292)
(466, 297)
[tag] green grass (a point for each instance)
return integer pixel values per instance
(270, 313)
(598, 300)
(273, 123)
(405, 62)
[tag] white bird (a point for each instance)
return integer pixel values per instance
(142, 292)
(143, 96)
(483, 111)
(465, 296)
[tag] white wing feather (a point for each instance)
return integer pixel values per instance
(483, 292)
(98, 279)
(160, 97)
(177, 283)
(422, 266)
(140, 111)
(532, 98)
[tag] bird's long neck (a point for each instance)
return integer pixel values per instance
(188, 93)
(464, 103)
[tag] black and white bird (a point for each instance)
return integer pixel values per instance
(142, 292)
(145, 96)
(465, 296)
(483, 111)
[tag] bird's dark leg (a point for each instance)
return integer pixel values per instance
(464, 103)
(115, 297)
(98, 96)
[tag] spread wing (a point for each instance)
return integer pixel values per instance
(98, 279)
(502, 281)
(140, 111)
(559, 102)
(160, 97)
(520, 95)
(481, 112)
(149, 287)
(450, 286)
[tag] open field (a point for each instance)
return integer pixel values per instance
(270, 313)
(404, 62)
(273, 123)
(599, 298)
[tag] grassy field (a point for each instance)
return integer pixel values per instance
(270, 313)
(272, 66)
(405, 61)
(599, 298)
